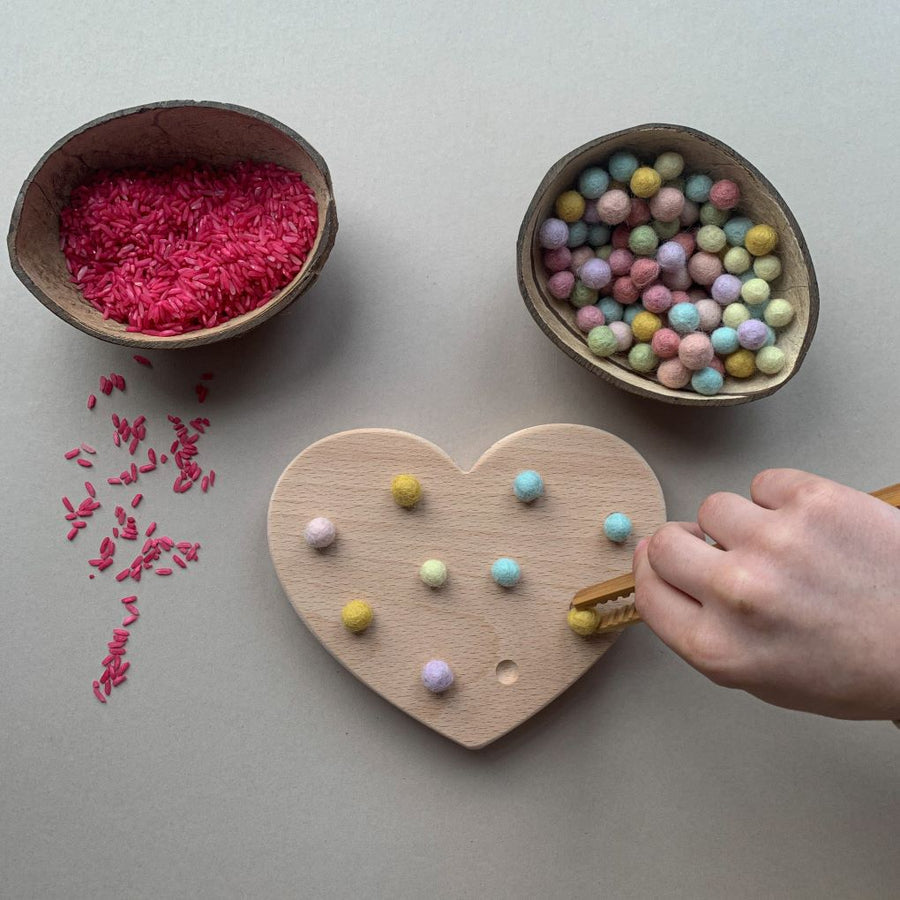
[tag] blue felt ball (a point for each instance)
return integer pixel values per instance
(757, 310)
(528, 485)
(725, 340)
(578, 232)
(707, 381)
(735, 229)
(697, 187)
(593, 182)
(506, 572)
(598, 235)
(617, 527)
(684, 318)
(746, 276)
(622, 165)
(612, 310)
(770, 337)
(631, 311)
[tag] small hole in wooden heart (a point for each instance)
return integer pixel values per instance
(507, 671)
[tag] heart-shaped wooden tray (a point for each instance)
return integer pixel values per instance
(510, 649)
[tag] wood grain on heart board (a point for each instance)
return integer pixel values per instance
(510, 649)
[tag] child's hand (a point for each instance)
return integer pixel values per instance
(801, 607)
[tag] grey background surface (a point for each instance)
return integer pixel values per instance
(240, 760)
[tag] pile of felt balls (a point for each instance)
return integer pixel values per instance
(661, 265)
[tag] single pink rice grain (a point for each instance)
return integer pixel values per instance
(135, 500)
(86, 463)
(91, 401)
(163, 571)
(142, 360)
(71, 454)
(97, 692)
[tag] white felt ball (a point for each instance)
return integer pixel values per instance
(320, 532)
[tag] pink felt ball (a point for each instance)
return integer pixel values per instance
(595, 273)
(620, 261)
(696, 351)
(710, 314)
(644, 272)
(589, 317)
(667, 204)
(717, 365)
(614, 206)
(677, 279)
(657, 298)
(624, 337)
(671, 255)
(673, 374)
(686, 239)
(560, 285)
(580, 255)
(726, 289)
(625, 290)
(620, 237)
(690, 213)
(558, 259)
(665, 343)
(591, 214)
(704, 267)
(639, 214)
(724, 194)
(680, 297)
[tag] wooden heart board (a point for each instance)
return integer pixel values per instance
(510, 649)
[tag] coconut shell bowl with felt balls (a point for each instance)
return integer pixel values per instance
(156, 139)
(575, 321)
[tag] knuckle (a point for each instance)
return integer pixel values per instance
(819, 497)
(711, 655)
(712, 508)
(735, 586)
(662, 544)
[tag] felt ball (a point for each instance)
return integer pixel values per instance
(696, 293)
(645, 325)
(726, 289)
(625, 290)
(664, 343)
(709, 215)
(506, 572)
(437, 676)
(595, 273)
(357, 616)
(754, 291)
(560, 285)
(690, 213)
(710, 314)
(604, 252)
(583, 622)
(624, 337)
(639, 214)
(725, 340)
(632, 312)
(406, 490)
(695, 351)
(752, 334)
(612, 310)
(614, 206)
(589, 317)
(735, 314)
(644, 272)
(711, 238)
(553, 234)
(724, 194)
(667, 205)
(569, 206)
(771, 337)
(582, 295)
(740, 364)
(671, 255)
(591, 216)
(696, 187)
(684, 318)
(319, 533)
(686, 240)
(657, 298)
(761, 240)
(746, 276)
(767, 267)
(645, 182)
(620, 236)
(601, 341)
(682, 297)
(736, 229)
(622, 165)
(598, 235)
(737, 261)
(641, 358)
(704, 267)
(433, 572)
(592, 182)
(779, 313)
(707, 381)
(643, 241)
(557, 260)
(580, 255)
(669, 165)
(677, 279)
(620, 262)
(672, 374)
(717, 365)
(665, 230)
(528, 485)
(578, 232)
(617, 527)
(770, 360)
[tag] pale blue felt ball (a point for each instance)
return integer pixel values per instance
(622, 165)
(735, 229)
(598, 235)
(617, 527)
(707, 381)
(528, 485)
(578, 232)
(612, 310)
(593, 182)
(697, 187)
(506, 572)
(684, 318)
(631, 311)
(725, 340)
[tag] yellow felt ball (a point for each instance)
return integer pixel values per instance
(645, 182)
(760, 240)
(645, 325)
(570, 206)
(357, 616)
(740, 364)
(583, 621)
(406, 490)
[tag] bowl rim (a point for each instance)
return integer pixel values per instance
(653, 391)
(226, 330)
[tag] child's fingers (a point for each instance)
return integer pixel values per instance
(732, 520)
(773, 488)
(680, 555)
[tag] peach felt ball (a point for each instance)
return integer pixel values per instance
(717, 365)
(677, 279)
(665, 343)
(613, 207)
(724, 194)
(589, 317)
(690, 213)
(580, 255)
(625, 291)
(704, 267)
(560, 285)
(710, 314)
(557, 260)
(644, 272)
(620, 262)
(667, 205)
(624, 337)
(657, 298)
(695, 351)
(672, 374)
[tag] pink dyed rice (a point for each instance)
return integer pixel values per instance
(187, 248)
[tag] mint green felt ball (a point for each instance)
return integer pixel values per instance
(582, 295)
(735, 314)
(669, 165)
(754, 291)
(767, 267)
(602, 341)
(710, 215)
(641, 358)
(711, 238)
(770, 360)
(605, 251)
(779, 313)
(433, 573)
(643, 241)
(665, 230)
(737, 261)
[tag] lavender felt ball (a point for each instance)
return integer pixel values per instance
(554, 233)
(595, 273)
(752, 334)
(437, 676)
